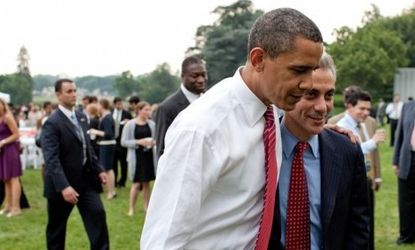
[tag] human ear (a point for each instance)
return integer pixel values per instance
(257, 56)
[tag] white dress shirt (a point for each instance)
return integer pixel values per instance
(367, 144)
(190, 96)
(210, 180)
(394, 110)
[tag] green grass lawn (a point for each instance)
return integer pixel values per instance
(28, 230)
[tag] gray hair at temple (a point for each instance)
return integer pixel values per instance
(327, 63)
(275, 31)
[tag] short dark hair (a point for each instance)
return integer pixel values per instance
(46, 104)
(355, 96)
(134, 99)
(59, 82)
(93, 99)
(117, 99)
(275, 31)
(189, 61)
(105, 103)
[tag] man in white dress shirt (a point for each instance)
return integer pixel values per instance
(210, 180)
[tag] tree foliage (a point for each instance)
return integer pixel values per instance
(223, 44)
(125, 85)
(19, 87)
(369, 56)
(152, 87)
(157, 85)
(404, 26)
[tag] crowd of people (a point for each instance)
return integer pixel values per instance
(255, 162)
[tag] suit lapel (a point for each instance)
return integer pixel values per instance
(183, 102)
(68, 124)
(330, 177)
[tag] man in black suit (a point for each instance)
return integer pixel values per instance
(404, 167)
(73, 175)
(194, 77)
(336, 208)
(120, 117)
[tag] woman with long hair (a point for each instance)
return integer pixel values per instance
(106, 143)
(10, 165)
(138, 137)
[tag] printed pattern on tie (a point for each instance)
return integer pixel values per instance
(266, 219)
(298, 210)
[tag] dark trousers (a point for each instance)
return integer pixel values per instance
(394, 124)
(371, 215)
(93, 215)
(406, 196)
(121, 157)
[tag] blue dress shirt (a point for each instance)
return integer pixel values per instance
(312, 169)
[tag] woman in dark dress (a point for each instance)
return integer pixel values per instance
(106, 143)
(138, 137)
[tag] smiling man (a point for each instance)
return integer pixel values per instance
(326, 171)
(216, 181)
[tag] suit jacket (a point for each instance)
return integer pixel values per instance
(402, 154)
(374, 156)
(167, 111)
(63, 153)
(344, 195)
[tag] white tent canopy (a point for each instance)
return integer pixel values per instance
(5, 97)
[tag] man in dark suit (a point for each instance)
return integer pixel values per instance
(194, 77)
(404, 167)
(73, 175)
(335, 208)
(120, 117)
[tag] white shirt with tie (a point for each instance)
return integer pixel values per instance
(367, 144)
(210, 180)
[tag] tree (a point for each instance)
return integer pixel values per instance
(157, 85)
(20, 84)
(125, 85)
(368, 57)
(23, 59)
(404, 26)
(223, 44)
(19, 87)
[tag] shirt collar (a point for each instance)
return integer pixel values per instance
(66, 111)
(350, 120)
(252, 106)
(290, 141)
(191, 97)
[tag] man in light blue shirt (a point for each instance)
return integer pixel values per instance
(334, 169)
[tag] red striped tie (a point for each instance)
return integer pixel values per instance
(267, 215)
(298, 209)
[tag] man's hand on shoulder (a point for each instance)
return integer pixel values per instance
(344, 131)
(103, 177)
(70, 195)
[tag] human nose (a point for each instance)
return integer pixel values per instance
(320, 105)
(306, 83)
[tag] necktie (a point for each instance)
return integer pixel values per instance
(117, 123)
(265, 225)
(78, 130)
(363, 137)
(298, 210)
